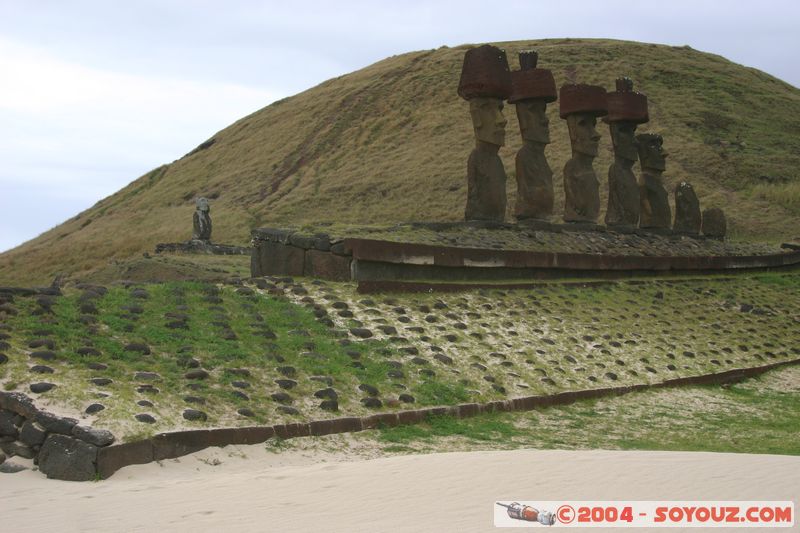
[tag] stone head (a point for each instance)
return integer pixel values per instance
(623, 136)
(533, 122)
(651, 151)
(202, 204)
(488, 119)
(583, 133)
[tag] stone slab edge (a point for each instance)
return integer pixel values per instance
(179, 443)
(426, 254)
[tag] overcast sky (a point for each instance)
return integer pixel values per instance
(95, 93)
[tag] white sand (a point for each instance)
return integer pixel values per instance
(439, 492)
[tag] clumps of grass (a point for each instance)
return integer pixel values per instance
(484, 428)
(440, 393)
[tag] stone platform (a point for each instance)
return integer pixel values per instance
(381, 258)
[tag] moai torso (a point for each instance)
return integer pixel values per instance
(653, 196)
(688, 218)
(623, 195)
(581, 191)
(486, 184)
(201, 221)
(534, 183)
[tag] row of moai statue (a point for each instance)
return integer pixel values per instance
(486, 83)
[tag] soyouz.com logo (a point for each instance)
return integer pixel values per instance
(648, 514)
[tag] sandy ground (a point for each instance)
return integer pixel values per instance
(251, 489)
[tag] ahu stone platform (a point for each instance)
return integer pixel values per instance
(433, 254)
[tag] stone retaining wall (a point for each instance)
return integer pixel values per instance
(64, 450)
(201, 247)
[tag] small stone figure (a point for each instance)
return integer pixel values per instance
(531, 90)
(485, 83)
(202, 221)
(580, 105)
(626, 109)
(714, 223)
(687, 210)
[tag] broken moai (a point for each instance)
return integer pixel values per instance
(580, 105)
(653, 197)
(485, 83)
(687, 210)
(532, 89)
(714, 223)
(626, 110)
(202, 221)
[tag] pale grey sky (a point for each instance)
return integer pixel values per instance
(95, 93)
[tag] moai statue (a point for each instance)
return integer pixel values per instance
(626, 110)
(687, 210)
(580, 105)
(202, 221)
(714, 223)
(531, 90)
(485, 83)
(653, 196)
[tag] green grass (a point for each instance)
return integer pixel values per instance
(760, 415)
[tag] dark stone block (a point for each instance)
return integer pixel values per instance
(67, 458)
(56, 424)
(348, 424)
(112, 458)
(41, 369)
(271, 258)
(179, 443)
(32, 434)
(194, 415)
(7, 426)
(380, 420)
(44, 355)
(321, 427)
(42, 387)
(327, 265)
(94, 408)
(97, 437)
(17, 448)
(145, 418)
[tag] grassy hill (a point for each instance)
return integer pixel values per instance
(389, 143)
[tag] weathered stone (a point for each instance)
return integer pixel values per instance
(362, 333)
(44, 355)
(101, 382)
(244, 411)
(287, 410)
(56, 424)
(714, 223)
(3, 359)
(41, 369)
(42, 343)
(329, 405)
(327, 265)
(286, 383)
(198, 373)
(10, 467)
(442, 358)
(20, 449)
(112, 458)
(41, 387)
(145, 418)
(138, 347)
(94, 408)
(272, 258)
(653, 197)
(372, 403)
(194, 415)
(201, 221)
(580, 105)
(88, 350)
(281, 397)
(688, 218)
(97, 437)
(328, 393)
(406, 398)
(144, 403)
(369, 389)
(7, 426)
(32, 434)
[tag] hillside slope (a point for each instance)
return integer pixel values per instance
(390, 142)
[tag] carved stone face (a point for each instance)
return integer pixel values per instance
(623, 135)
(583, 133)
(533, 122)
(651, 152)
(202, 204)
(488, 119)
